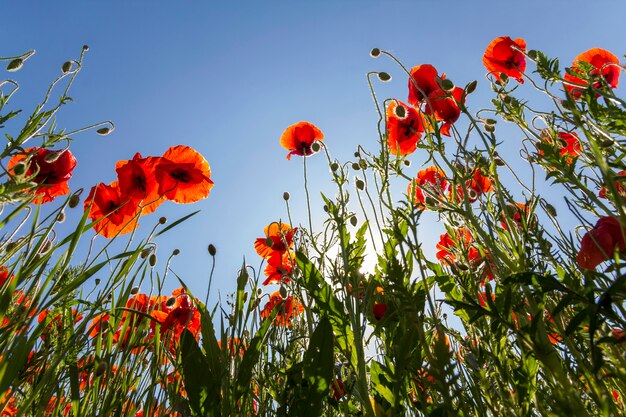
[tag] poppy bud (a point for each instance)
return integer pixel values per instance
(170, 301)
(61, 217)
(162, 220)
(334, 166)
(245, 296)
(145, 252)
(360, 184)
(362, 164)
(286, 196)
(134, 290)
(152, 260)
(101, 369)
(212, 250)
(375, 53)
(259, 291)
(490, 128)
(315, 147)
(353, 220)
(269, 242)
(406, 163)
(490, 122)
(400, 111)
(357, 154)
(45, 247)
(550, 210)
(15, 65)
(469, 88)
(10, 246)
(74, 200)
(447, 85)
(499, 162)
(53, 156)
(532, 54)
(355, 166)
(283, 292)
(85, 48)
(19, 169)
(606, 143)
(507, 99)
(66, 67)
(176, 252)
(326, 209)
(384, 77)
(97, 281)
(103, 131)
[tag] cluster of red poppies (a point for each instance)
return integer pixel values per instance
(181, 175)
(275, 248)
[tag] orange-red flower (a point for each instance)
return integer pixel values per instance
(621, 190)
(117, 213)
(444, 106)
(287, 309)
(277, 241)
(51, 169)
(4, 275)
(183, 175)
(503, 56)
(182, 314)
(476, 186)
(430, 184)
(379, 310)
(567, 143)
(603, 62)
(517, 213)
(298, 138)
(137, 180)
(446, 248)
(422, 82)
(599, 244)
(404, 128)
(278, 269)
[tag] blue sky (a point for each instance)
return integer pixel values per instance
(227, 78)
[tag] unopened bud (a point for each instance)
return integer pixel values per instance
(85, 48)
(66, 67)
(15, 65)
(355, 166)
(10, 246)
(245, 296)
(384, 77)
(170, 301)
(375, 53)
(326, 209)
(283, 292)
(45, 247)
(134, 290)
(469, 88)
(532, 54)
(19, 168)
(447, 85)
(504, 78)
(507, 99)
(74, 200)
(360, 184)
(400, 111)
(259, 291)
(490, 122)
(145, 252)
(61, 217)
(315, 147)
(550, 210)
(353, 220)
(269, 242)
(606, 143)
(97, 281)
(103, 131)
(357, 154)
(362, 164)
(53, 156)
(499, 162)
(101, 368)
(406, 163)
(212, 250)
(162, 220)
(286, 196)
(334, 166)
(176, 252)
(152, 260)
(490, 128)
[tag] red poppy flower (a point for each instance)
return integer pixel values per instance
(567, 143)
(118, 213)
(182, 314)
(621, 190)
(430, 184)
(235, 346)
(298, 138)
(288, 308)
(278, 269)
(4, 275)
(137, 181)
(448, 245)
(51, 169)
(517, 213)
(277, 241)
(444, 106)
(599, 244)
(379, 310)
(482, 298)
(604, 62)
(503, 56)
(183, 175)
(338, 389)
(422, 82)
(476, 186)
(404, 128)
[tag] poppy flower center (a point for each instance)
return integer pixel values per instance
(141, 182)
(180, 175)
(408, 129)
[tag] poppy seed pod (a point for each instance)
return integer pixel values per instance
(360, 184)
(315, 147)
(152, 260)
(384, 77)
(74, 200)
(286, 196)
(375, 53)
(15, 65)
(212, 250)
(101, 368)
(66, 67)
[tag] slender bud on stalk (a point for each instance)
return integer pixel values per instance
(384, 77)
(74, 200)
(259, 291)
(19, 169)
(152, 260)
(53, 156)
(283, 292)
(66, 67)
(360, 184)
(532, 54)
(355, 166)
(103, 131)
(15, 65)
(134, 290)
(61, 216)
(471, 87)
(145, 252)
(315, 147)
(45, 247)
(406, 163)
(375, 53)
(97, 281)
(286, 196)
(212, 250)
(334, 166)
(162, 220)
(447, 85)
(550, 210)
(176, 252)
(353, 220)
(362, 164)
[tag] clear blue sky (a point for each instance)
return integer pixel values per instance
(227, 78)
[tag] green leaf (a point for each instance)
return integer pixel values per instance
(202, 389)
